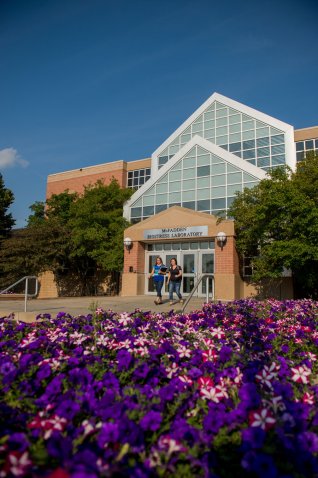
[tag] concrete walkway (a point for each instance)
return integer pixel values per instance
(83, 305)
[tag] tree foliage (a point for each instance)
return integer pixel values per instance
(71, 235)
(276, 222)
(6, 219)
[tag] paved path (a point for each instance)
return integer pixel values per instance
(83, 305)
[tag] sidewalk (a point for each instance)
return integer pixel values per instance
(83, 305)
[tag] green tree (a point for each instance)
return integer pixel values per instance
(6, 219)
(276, 222)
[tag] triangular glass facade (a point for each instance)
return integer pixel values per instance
(255, 141)
(200, 180)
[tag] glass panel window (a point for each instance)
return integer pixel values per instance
(278, 149)
(300, 146)
(235, 147)
(148, 171)
(130, 181)
(309, 144)
(204, 194)
(188, 195)
(263, 152)
(221, 122)
(189, 204)
(233, 189)
(235, 119)
(278, 160)
(185, 138)
(235, 128)
(260, 142)
(209, 115)
(136, 212)
(203, 182)
(175, 197)
(209, 124)
(218, 180)
(188, 162)
(160, 208)
(234, 178)
(249, 144)
(248, 135)
(197, 128)
(209, 134)
(221, 131)
(188, 263)
(130, 174)
(149, 200)
(185, 246)
(262, 132)
(221, 112)
(232, 169)
(203, 205)
(162, 188)
(221, 140)
(218, 203)
(248, 154)
(203, 171)
(203, 160)
(188, 184)
(176, 246)
(246, 125)
(300, 155)
(161, 198)
(263, 162)
(208, 263)
(189, 173)
(235, 138)
(277, 139)
(149, 210)
(174, 175)
(218, 168)
(175, 186)
(218, 192)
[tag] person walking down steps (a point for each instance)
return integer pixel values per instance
(158, 275)
(174, 280)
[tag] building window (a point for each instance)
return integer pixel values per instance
(303, 147)
(138, 177)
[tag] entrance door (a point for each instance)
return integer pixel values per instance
(189, 264)
(206, 267)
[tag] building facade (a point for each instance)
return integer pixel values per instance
(188, 183)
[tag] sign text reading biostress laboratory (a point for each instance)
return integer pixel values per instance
(176, 232)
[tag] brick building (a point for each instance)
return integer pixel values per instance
(191, 179)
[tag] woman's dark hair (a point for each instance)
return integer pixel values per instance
(174, 259)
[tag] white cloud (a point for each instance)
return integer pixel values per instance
(10, 157)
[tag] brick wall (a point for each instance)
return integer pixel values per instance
(226, 258)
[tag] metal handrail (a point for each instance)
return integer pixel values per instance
(26, 293)
(200, 279)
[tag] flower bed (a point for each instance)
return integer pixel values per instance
(227, 391)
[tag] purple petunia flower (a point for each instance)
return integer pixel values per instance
(151, 421)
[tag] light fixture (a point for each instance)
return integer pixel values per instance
(128, 243)
(221, 239)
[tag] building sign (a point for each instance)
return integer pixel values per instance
(176, 232)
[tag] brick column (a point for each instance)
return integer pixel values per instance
(226, 270)
(133, 280)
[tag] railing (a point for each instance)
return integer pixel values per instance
(195, 287)
(26, 290)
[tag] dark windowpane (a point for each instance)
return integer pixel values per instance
(251, 161)
(141, 181)
(309, 144)
(300, 156)
(203, 171)
(189, 204)
(262, 142)
(316, 143)
(136, 181)
(300, 146)
(203, 205)
(136, 212)
(218, 203)
(235, 147)
(262, 152)
(249, 144)
(130, 174)
(163, 160)
(277, 139)
(146, 179)
(175, 204)
(148, 171)
(278, 149)
(230, 201)
(238, 153)
(141, 172)
(250, 153)
(136, 173)
(135, 220)
(261, 162)
(149, 210)
(161, 207)
(224, 146)
(130, 182)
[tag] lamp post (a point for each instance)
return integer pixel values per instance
(221, 239)
(128, 243)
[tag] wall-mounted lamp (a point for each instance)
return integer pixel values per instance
(128, 243)
(221, 239)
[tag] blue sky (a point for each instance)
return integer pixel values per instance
(84, 82)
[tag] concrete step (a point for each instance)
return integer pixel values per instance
(20, 316)
(4, 297)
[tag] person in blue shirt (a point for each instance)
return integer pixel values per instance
(158, 274)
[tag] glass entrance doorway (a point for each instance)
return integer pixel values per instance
(195, 259)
